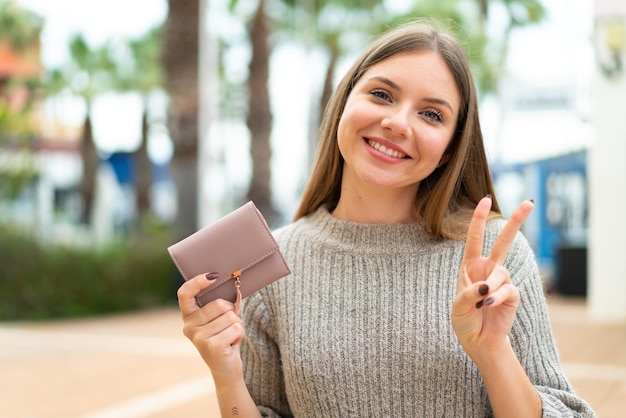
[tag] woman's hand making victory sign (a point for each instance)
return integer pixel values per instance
(484, 308)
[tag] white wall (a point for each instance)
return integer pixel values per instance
(607, 178)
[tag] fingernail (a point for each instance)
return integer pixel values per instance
(532, 201)
(483, 289)
(212, 276)
(488, 195)
(479, 304)
(489, 301)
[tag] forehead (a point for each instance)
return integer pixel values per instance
(422, 70)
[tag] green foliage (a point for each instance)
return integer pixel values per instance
(17, 169)
(20, 27)
(43, 282)
(88, 72)
(17, 166)
(117, 65)
(16, 125)
(144, 64)
(333, 23)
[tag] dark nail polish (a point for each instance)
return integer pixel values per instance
(489, 301)
(479, 304)
(532, 201)
(212, 276)
(483, 289)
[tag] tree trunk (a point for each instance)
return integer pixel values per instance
(180, 61)
(328, 78)
(259, 118)
(484, 10)
(143, 173)
(327, 91)
(91, 162)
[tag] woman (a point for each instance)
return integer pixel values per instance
(409, 296)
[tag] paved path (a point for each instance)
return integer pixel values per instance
(140, 366)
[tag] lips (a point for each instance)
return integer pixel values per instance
(385, 150)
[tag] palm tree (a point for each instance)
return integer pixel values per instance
(142, 73)
(259, 116)
(88, 73)
(180, 63)
(259, 119)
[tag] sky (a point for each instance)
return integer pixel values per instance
(97, 20)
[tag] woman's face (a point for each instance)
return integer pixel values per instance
(397, 122)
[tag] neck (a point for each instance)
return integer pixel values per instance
(380, 206)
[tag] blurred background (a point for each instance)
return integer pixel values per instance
(125, 126)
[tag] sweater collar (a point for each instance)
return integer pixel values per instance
(355, 237)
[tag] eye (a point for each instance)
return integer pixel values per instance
(381, 94)
(433, 115)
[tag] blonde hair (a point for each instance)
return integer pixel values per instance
(447, 197)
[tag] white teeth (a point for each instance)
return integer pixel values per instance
(387, 151)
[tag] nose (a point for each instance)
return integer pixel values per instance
(398, 122)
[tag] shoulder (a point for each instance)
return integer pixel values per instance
(285, 233)
(306, 225)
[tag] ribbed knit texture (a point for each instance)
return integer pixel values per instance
(361, 328)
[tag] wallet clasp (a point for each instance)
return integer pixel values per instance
(237, 276)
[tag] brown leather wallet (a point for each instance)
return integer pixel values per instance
(240, 247)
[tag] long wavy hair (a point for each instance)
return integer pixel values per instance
(446, 198)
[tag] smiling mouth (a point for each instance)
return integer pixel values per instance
(387, 151)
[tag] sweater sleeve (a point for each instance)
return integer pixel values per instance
(533, 340)
(262, 366)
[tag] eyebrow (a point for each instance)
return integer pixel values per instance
(433, 100)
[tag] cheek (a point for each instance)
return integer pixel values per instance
(433, 149)
(355, 116)
(341, 134)
(346, 129)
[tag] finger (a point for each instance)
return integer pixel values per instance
(476, 229)
(510, 230)
(234, 334)
(228, 337)
(505, 294)
(209, 313)
(225, 331)
(215, 326)
(187, 291)
(497, 278)
(468, 298)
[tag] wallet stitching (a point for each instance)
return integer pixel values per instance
(226, 279)
(267, 230)
(259, 259)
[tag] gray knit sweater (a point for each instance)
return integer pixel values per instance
(361, 328)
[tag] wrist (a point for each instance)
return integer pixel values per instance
(234, 399)
(228, 382)
(510, 390)
(483, 354)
